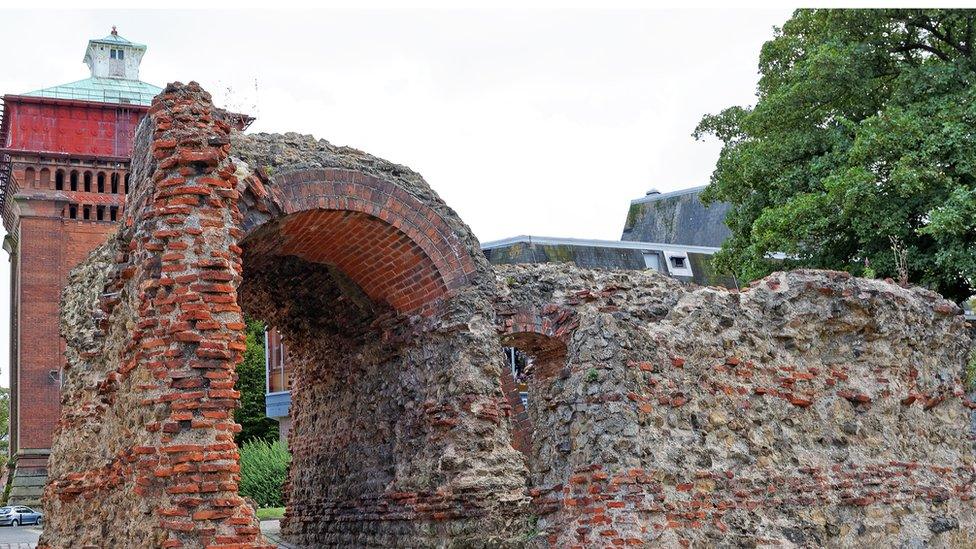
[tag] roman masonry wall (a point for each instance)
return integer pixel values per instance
(400, 437)
(812, 409)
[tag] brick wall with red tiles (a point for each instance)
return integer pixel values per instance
(49, 247)
(385, 297)
(164, 342)
(809, 409)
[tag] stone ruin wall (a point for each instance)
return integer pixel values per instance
(813, 409)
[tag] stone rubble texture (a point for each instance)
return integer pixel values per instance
(811, 409)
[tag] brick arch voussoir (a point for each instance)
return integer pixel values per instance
(350, 190)
(551, 322)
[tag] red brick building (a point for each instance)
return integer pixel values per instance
(63, 179)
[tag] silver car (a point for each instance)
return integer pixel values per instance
(19, 514)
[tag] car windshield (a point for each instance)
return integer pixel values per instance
(4, 509)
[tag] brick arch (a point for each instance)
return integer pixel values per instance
(392, 412)
(543, 335)
(395, 247)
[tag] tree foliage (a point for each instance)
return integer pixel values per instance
(863, 134)
(250, 413)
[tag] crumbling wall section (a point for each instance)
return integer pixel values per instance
(144, 453)
(812, 409)
(400, 434)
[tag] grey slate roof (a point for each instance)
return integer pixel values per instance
(605, 254)
(677, 218)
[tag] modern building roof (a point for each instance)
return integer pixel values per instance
(678, 217)
(686, 263)
(654, 195)
(617, 244)
(102, 90)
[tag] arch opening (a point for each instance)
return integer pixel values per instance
(381, 387)
(534, 361)
(399, 434)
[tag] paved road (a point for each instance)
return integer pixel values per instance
(25, 537)
(21, 537)
(272, 532)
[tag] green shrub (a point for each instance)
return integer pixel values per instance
(264, 466)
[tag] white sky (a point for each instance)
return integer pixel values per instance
(525, 122)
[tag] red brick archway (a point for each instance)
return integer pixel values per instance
(396, 248)
(398, 435)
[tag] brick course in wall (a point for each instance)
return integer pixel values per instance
(154, 328)
(812, 409)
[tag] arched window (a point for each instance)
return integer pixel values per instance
(59, 180)
(88, 181)
(74, 181)
(101, 182)
(45, 180)
(86, 211)
(115, 183)
(73, 211)
(126, 183)
(100, 213)
(29, 176)
(113, 213)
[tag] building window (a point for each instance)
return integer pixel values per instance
(115, 183)
(117, 54)
(59, 180)
(74, 180)
(126, 183)
(100, 213)
(101, 182)
(278, 373)
(88, 179)
(73, 211)
(113, 213)
(652, 261)
(679, 264)
(29, 176)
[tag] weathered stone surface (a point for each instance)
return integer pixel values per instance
(812, 409)
(401, 436)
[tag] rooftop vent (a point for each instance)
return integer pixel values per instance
(652, 191)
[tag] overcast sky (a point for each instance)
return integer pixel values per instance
(525, 122)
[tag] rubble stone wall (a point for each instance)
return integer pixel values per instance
(811, 409)
(401, 428)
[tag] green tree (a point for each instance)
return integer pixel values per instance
(862, 141)
(251, 382)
